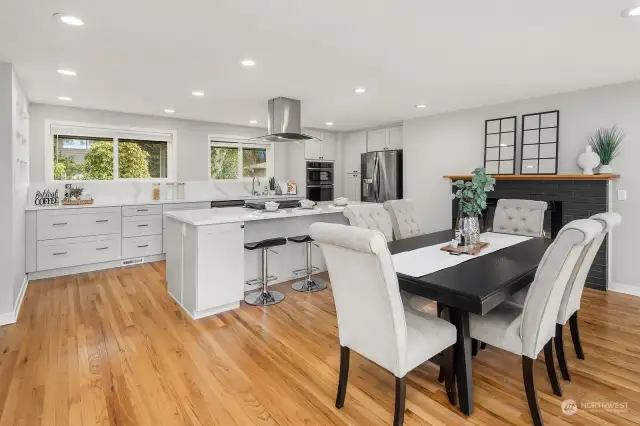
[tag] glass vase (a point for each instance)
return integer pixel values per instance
(472, 230)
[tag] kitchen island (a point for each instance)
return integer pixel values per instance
(207, 265)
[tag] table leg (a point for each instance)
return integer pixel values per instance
(463, 360)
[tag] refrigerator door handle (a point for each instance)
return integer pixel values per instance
(378, 179)
(374, 186)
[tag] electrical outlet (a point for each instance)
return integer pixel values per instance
(622, 195)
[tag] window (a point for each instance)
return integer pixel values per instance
(84, 152)
(237, 160)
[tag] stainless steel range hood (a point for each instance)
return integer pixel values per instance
(284, 121)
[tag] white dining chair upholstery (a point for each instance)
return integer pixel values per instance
(527, 330)
(519, 217)
(371, 317)
(370, 216)
(405, 218)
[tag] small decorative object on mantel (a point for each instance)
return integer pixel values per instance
(473, 200)
(606, 143)
(500, 145)
(540, 139)
(46, 198)
(588, 160)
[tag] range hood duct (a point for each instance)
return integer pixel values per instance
(284, 121)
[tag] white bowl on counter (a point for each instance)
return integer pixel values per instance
(271, 206)
(307, 204)
(341, 201)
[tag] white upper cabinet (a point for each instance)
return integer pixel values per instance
(384, 139)
(376, 140)
(394, 138)
(352, 186)
(323, 149)
(354, 146)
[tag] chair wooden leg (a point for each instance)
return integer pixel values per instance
(474, 347)
(344, 376)
(441, 375)
(551, 368)
(401, 394)
(448, 371)
(575, 335)
(483, 346)
(530, 389)
(562, 362)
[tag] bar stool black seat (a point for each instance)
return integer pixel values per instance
(309, 284)
(264, 297)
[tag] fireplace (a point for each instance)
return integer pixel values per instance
(568, 197)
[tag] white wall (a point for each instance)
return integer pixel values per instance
(453, 143)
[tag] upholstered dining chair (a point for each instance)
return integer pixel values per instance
(405, 218)
(371, 317)
(570, 305)
(527, 330)
(370, 216)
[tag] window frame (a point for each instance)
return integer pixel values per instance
(116, 133)
(227, 141)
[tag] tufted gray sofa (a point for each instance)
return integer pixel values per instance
(519, 217)
(405, 219)
(370, 216)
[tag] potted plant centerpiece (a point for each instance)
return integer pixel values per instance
(473, 200)
(606, 143)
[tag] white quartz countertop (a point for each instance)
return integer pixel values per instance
(114, 203)
(240, 214)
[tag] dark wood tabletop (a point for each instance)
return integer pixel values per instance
(477, 285)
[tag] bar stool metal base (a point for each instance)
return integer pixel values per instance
(309, 285)
(261, 298)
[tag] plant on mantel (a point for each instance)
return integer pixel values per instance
(606, 143)
(473, 194)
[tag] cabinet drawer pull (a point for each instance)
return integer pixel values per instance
(59, 223)
(102, 248)
(102, 221)
(140, 226)
(144, 245)
(62, 253)
(142, 210)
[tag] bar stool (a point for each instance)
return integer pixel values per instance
(264, 297)
(308, 285)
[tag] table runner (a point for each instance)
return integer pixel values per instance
(426, 260)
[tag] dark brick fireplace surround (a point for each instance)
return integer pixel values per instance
(569, 196)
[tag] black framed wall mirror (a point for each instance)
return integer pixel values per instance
(540, 140)
(500, 145)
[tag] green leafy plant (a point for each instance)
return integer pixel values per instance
(272, 183)
(473, 194)
(606, 143)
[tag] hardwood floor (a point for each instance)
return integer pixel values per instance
(113, 348)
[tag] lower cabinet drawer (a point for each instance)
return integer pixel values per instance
(54, 254)
(137, 226)
(141, 246)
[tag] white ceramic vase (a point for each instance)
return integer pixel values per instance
(605, 169)
(588, 161)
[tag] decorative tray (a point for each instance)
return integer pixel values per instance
(76, 202)
(460, 249)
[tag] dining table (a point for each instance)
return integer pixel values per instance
(475, 286)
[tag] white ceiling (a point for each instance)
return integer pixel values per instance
(143, 56)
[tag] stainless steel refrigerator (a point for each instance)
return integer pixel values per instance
(381, 176)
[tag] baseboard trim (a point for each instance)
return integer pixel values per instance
(72, 270)
(23, 291)
(7, 318)
(633, 290)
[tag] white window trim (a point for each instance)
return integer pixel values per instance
(172, 157)
(232, 141)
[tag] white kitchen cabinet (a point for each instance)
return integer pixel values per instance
(394, 138)
(353, 147)
(323, 148)
(353, 186)
(329, 146)
(384, 139)
(313, 149)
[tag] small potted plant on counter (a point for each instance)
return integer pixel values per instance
(272, 185)
(473, 200)
(606, 143)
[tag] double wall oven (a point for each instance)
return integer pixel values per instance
(320, 180)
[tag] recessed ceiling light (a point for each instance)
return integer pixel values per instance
(328, 123)
(360, 90)
(197, 93)
(253, 121)
(632, 12)
(421, 106)
(69, 19)
(64, 98)
(67, 72)
(169, 111)
(248, 63)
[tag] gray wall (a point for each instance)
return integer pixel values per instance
(453, 143)
(192, 146)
